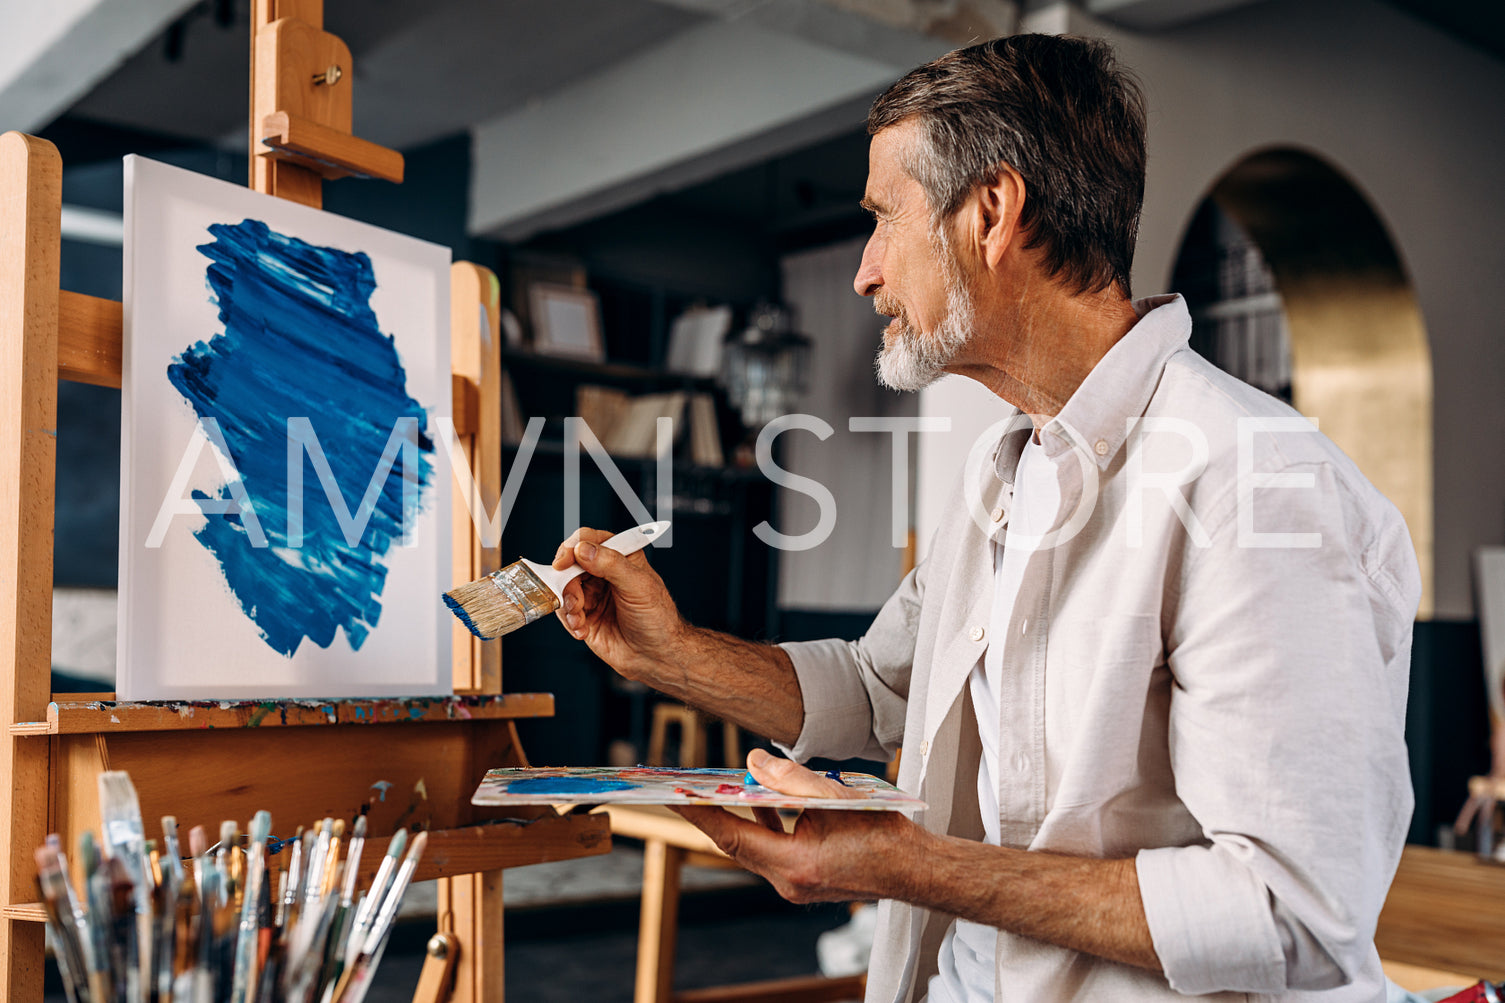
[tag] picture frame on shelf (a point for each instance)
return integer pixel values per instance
(566, 322)
(512, 332)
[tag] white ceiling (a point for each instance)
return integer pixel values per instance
(423, 68)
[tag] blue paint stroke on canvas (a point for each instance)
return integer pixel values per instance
(300, 339)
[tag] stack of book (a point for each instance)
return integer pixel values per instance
(628, 426)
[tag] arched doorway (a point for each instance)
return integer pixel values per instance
(1296, 287)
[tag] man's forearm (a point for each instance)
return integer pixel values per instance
(752, 685)
(1082, 903)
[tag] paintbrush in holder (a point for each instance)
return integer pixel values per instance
(156, 931)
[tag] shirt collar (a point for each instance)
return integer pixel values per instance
(1118, 388)
(1095, 418)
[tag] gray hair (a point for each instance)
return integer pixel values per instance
(1061, 112)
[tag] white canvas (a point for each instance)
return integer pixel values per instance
(279, 330)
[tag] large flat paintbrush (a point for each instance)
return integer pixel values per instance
(524, 591)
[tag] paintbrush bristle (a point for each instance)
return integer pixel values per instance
(121, 811)
(501, 602)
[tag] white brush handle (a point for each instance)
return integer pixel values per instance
(628, 542)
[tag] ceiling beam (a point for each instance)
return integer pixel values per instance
(903, 32)
(1157, 15)
(56, 51)
(708, 100)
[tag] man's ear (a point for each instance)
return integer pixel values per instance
(1000, 203)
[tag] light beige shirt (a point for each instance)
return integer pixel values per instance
(1213, 655)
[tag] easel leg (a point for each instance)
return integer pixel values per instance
(658, 927)
(470, 906)
(21, 947)
(30, 193)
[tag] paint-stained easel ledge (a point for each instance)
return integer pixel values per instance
(88, 716)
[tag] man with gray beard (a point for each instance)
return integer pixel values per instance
(1150, 679)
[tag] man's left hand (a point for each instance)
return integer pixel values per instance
(831, 856)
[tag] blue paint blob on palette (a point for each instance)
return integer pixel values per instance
(563, 787)
(300, 339)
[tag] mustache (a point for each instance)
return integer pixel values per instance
(888, 305)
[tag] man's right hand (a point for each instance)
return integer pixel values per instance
(622, 610)
(619, 607)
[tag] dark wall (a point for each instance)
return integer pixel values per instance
(1447, 722)
(86, 540)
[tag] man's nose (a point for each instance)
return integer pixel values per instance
(869, 274)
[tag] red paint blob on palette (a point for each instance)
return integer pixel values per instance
(729, 789)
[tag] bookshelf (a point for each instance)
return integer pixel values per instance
(719, 573)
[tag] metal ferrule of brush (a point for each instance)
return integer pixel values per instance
(524, 591)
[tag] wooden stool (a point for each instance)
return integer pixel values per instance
(692, 736)
(669, 843)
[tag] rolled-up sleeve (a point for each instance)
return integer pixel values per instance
(1290, 667)
(856, 693)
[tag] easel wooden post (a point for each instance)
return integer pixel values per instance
(31, 175)
(209, 762)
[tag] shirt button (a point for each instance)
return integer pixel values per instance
(1101, 447)
(1021, 762)
(998, 514)
(1024, 625)
(924, 748)
(975, 633)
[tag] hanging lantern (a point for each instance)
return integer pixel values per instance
(766, 367)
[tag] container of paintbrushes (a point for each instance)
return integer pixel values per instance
(226, 924)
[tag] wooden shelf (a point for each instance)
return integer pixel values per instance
(103, 716)
(509, 843)
(330, 153)
(794, 989)
(622, 372)
(554, 448)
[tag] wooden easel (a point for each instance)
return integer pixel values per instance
(207, 762)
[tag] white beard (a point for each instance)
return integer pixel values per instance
(912, 360)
